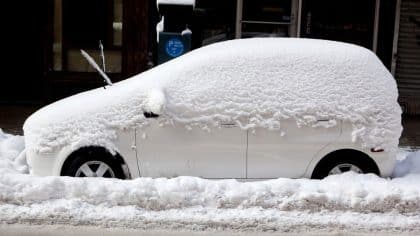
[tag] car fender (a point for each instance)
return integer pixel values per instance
(343, 141)
(61, 157)
(64, 153)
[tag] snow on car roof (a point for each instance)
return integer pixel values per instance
(253, 82)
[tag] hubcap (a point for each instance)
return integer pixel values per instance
(339, 169)
(95, 169)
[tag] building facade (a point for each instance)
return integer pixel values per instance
(52, 32)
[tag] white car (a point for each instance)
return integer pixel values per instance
(243, 109)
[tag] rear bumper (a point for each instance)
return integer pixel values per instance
(386, 162)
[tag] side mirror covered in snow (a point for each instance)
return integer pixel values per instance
(156, 100)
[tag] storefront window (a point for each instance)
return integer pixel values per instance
(213, 21)
(250, 30)
(266, 18)
(275, 11)
(80, 24)
(348, 21)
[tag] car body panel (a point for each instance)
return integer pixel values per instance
(286, 153)
(158, 151)
(384, 160)
(174, 150)
(126, 148)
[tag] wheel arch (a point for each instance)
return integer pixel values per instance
(98, 150)
(342, 154)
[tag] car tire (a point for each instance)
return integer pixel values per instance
(93, 163)
(338, 165)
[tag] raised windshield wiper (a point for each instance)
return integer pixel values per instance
(96, 66)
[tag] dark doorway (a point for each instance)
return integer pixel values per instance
(25, 59)
(213, 21)
(347, 20)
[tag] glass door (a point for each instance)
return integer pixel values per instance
(266, 18)
(348, 20)
(80, 24)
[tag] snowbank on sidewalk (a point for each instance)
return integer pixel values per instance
(408, 163)
(11, 155)
(261, 81)
(347, 192)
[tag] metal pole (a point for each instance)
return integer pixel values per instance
(396, 35)
(239, 7)
(299, 20)
(376, 26)
(101, 47)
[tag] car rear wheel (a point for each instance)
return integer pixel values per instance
(93, 163)
(344, 162)
(345, 167)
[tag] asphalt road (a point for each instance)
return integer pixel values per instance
(66, 230)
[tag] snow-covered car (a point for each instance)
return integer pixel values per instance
(246, 109)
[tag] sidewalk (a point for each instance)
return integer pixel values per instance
(12, 118)
(70, 230)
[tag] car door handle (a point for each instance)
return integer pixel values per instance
(325, 123)
(230, 125)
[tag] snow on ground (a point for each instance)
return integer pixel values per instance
(347, 203)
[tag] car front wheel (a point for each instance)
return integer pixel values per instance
(95, 169)
(93, 163)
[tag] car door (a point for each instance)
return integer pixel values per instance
(286, 153)
(173, 150)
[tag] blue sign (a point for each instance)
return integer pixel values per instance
(174, 47)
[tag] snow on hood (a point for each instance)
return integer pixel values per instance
(261, 81)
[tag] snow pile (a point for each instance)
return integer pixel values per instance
(186, 31)
(409, 163)
(348, 201)
(360, 193)
(252, 82)
(12, 156)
